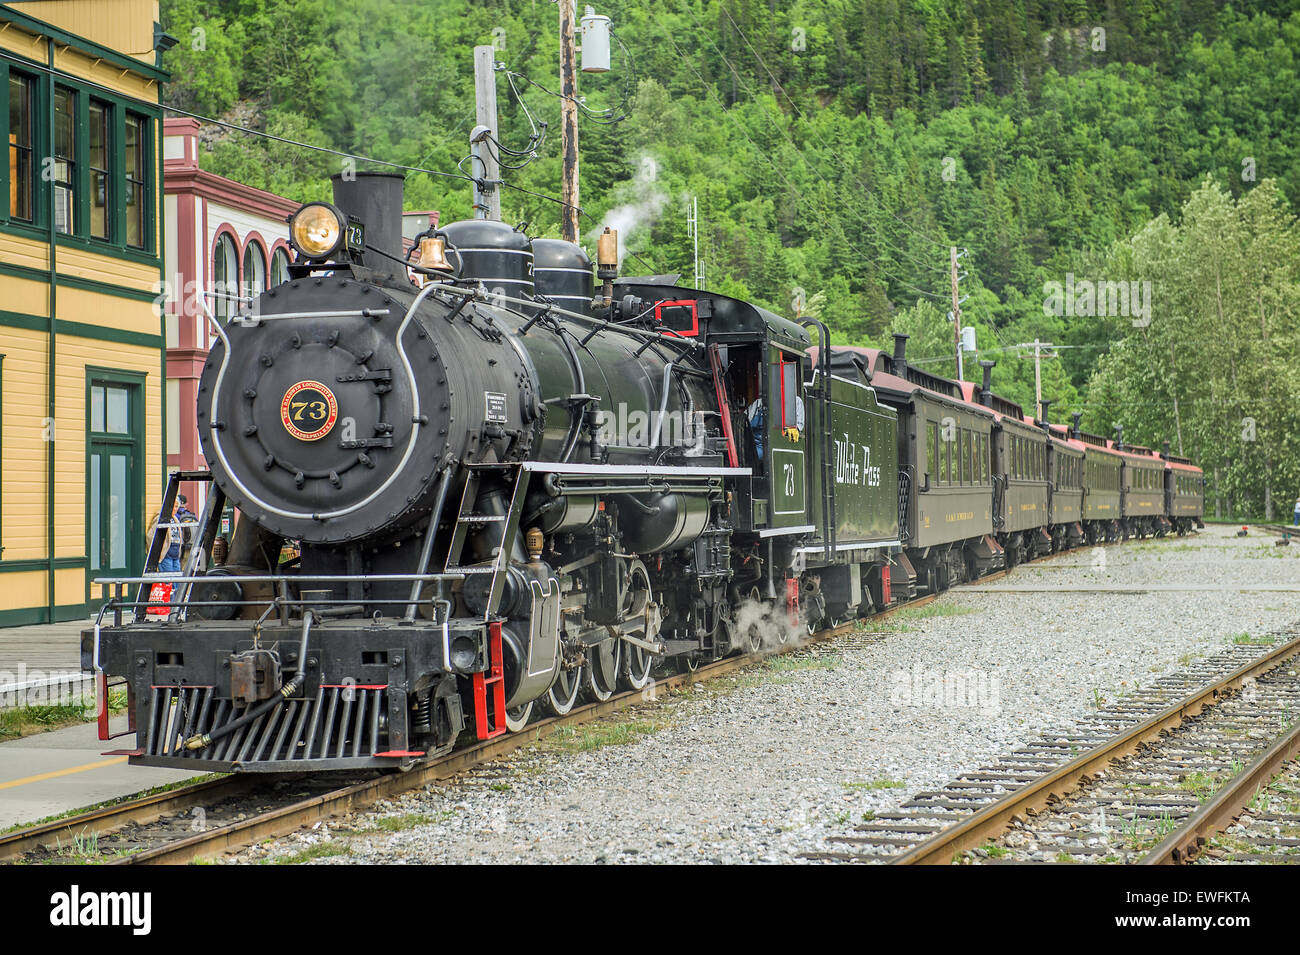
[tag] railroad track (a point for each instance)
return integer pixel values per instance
(1282, 532)
(1133, 776)
(1257, 813)
(232, 812)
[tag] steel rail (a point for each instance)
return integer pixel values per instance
(994, 819)
(1184, 844)
(104, 819)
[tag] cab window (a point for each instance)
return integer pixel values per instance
(790, 416)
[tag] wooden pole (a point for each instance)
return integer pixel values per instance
(956, 310)
(487, 201)
(1038, 375)
(568, 123)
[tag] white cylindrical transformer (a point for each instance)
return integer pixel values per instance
(595, 42)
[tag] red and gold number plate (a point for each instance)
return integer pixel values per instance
(309, 410)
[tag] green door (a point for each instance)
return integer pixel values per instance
(114, 501)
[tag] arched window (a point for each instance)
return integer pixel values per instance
(225, 278)
(279, 267)
(254, 270)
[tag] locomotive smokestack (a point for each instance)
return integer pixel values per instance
(1119, 437)
(900, 353)
(374, 199)
(986, 390)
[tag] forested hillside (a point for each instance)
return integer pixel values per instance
(837, 148)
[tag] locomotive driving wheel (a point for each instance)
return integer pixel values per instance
(563, 694)
(637, 604)
(753, 630)
(517, 718)
(602, 669)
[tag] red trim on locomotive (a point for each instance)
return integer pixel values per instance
(691, 332)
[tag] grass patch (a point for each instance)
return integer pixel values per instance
(1200, 785)
(322, 850)
(903, 620)
(937, 609)
(1253, 640)
(876, 784)
(584, 739)
(788, 662)
(410, 820)
(757, 679)
(20, 721)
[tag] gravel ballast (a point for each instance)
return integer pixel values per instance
(765, 765)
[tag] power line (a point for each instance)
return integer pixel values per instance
(777, 85)
(800, 153)
(291, 142)
(228, 125)
(709, 90)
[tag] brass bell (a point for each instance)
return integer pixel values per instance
(433, 254)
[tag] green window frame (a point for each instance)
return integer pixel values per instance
(136, 200)
(102, 181)
(932, 453)
(64, 173)
(20, 132)
(99, 162)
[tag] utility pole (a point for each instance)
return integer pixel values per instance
(568, 123)
(487, 200)
(1038, 348)
(956, 311)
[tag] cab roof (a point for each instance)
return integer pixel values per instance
(727, 316)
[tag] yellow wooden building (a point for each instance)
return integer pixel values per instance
(82, 347)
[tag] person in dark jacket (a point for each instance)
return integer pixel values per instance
(178, 538)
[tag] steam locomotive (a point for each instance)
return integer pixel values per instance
(502, 488)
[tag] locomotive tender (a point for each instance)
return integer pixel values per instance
(509, 489)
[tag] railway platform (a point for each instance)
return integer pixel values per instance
(42, 664)
(47, 774)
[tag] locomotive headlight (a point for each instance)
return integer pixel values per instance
(316, 230)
